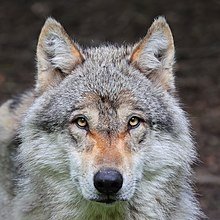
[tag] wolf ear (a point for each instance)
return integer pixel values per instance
(57, 55)
(154, 55)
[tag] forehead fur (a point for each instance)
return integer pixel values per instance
(110, 53)
(107, 75)
(104, 72)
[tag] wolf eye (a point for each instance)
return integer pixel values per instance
(81, 122)
(134, 122)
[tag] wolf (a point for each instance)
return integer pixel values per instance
(102, 134)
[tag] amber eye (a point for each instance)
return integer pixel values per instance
(81, 122)
(134, 122)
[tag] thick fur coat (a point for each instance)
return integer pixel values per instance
(95, 108)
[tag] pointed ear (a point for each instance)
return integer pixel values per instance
(154, 55)
(57, 55)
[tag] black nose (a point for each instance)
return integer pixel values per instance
(108, 181)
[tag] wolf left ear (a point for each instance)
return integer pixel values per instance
(57, 55)
(154, 55)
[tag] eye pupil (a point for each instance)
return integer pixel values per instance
(81, 122)
(134, 122)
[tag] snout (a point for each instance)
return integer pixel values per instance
(108, 181)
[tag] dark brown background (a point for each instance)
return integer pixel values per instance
(196, 29)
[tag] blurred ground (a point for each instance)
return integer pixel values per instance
(196, 28)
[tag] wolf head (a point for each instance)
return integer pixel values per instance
(106, 126)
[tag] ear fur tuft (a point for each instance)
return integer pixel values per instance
(154, 55)
(57, 55)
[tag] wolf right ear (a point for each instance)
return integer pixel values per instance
(154, 55)
(57, 55)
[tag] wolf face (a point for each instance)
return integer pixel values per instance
(106, 128)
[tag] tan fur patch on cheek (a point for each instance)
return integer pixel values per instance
(89, 153)
(122, 145)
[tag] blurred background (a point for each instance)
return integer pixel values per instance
(196, 29)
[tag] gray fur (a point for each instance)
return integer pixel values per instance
(56, 181)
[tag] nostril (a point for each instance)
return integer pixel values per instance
(108, 181)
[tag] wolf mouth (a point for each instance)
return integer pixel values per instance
(109, 200)
(106, 201)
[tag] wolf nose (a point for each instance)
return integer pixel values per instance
(108, 181)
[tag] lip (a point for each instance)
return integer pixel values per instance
(106, 201)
